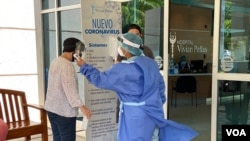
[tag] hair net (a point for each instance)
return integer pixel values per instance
(131, 43)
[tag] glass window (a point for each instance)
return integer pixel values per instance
(18, 49)
(233, 104)
(67, 2)
(70, 22)
(13, 45)
(26, 83)
(29, 84)
(17, 13)
(70, 26)
(234, 37)
(143, 13)
(49, 37)
(190, 52)
(190, 38)
(47, 4)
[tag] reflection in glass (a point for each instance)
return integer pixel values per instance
(234, 37)
(233, 104)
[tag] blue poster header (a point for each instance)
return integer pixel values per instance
(102, 26)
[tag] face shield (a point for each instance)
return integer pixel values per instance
(131, 43)
(113, 44)
(79, 50)
(123, 40)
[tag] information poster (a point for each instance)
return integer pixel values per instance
(101, 25)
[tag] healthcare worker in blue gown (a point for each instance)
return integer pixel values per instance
(141, 90)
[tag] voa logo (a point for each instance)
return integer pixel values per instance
(236, 132)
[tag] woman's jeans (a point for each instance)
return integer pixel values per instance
(63, 128)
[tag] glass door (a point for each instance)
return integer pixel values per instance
(231, 87)
(190, 53)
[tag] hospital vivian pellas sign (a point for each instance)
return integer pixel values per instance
(235, 132)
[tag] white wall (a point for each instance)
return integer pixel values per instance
(18, 51)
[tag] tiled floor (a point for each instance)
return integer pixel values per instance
(80, 136)
(197, 118)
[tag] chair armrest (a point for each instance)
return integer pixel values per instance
(36, 106)
(43, 113)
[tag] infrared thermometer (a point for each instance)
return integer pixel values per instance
(76, 56)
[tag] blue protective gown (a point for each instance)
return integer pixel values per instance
(141, 90)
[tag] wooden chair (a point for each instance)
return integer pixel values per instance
(186, 85)
(14, 111)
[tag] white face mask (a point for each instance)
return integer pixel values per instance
(120, 52)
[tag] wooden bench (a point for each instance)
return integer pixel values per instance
(14, 111)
